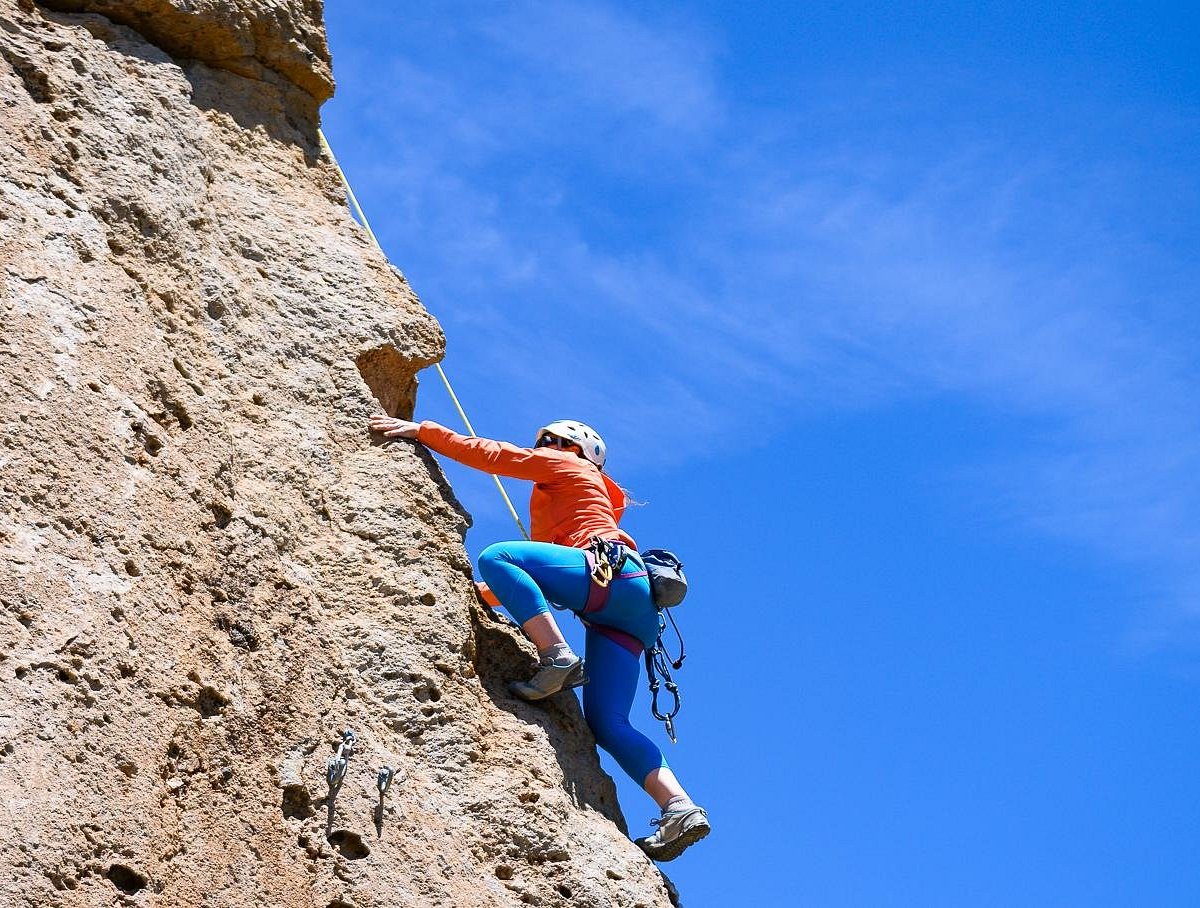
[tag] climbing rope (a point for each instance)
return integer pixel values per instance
(362, 219)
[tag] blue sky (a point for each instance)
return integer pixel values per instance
(888, 312)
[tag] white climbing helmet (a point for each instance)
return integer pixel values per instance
(577, 433)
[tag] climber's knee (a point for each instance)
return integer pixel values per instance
(490, 554)
(510, 583)
(610, 731)
(490, 559)
(601, 728)
(633, 751)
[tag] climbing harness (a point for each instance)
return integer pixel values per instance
(362, 219)
(336, 766)
(605, 559)
(659, 665)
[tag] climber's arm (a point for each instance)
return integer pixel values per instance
(497, 457)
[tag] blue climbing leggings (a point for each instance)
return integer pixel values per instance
(525, 575)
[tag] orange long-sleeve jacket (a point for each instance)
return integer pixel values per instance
(572, 499)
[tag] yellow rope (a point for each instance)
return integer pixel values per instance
(362, 219)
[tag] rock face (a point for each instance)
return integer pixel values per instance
(208, 569)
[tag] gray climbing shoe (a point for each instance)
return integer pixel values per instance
(677, 829)
(552, 676)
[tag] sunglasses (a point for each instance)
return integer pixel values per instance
(553, 441)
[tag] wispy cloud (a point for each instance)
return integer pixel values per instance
(927, 294)
(592, 56)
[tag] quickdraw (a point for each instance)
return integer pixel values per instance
(336, 766)
(659, 664)
(384, 781)
(656, 664)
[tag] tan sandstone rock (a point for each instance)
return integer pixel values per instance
(207, 568)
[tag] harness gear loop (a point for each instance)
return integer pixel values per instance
(605, 559)
(362, 219)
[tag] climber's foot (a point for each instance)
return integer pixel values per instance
(552, 676)
(677, 829)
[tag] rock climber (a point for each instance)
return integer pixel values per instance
(573, 503)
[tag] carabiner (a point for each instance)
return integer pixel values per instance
(336, 766)
(384, 781)
(603, 574)
(335, 772)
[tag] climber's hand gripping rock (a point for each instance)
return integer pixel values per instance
(392, 427)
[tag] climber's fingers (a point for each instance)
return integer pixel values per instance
(391, 427)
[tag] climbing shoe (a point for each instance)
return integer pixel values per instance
(677, 829)
(552, 676)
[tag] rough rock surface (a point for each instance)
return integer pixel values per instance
(207, 568)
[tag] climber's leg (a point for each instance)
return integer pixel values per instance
(522, 575)
(614, 667)
(544, 632)
(614, 663)
(662, 785)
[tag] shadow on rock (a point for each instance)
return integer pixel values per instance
(502, 656)
(287, 113)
